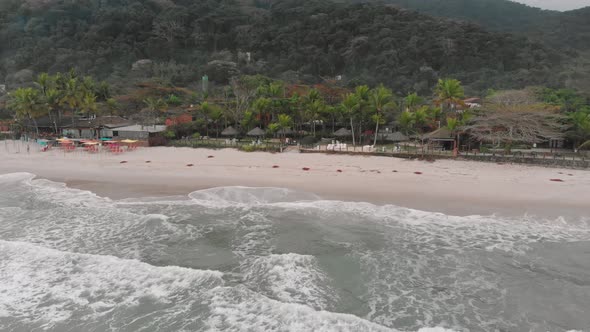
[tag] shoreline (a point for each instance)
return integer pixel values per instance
(448, 186)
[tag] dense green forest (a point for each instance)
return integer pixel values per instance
(293, 40)
(569, 30)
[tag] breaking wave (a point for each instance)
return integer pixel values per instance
(237, 258)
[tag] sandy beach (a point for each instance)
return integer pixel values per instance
(451, 187)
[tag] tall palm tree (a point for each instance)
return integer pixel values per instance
(449, 92)
(314, 110)
(52, 101)
(27, 104)
(72, 95)
(406, 121)
(44, 82)
(154, 107)
(112, 106)
(216, 114)
(380, 101)
(262, 106)
(88, 104)
(284, 122)
(350, 104)
(362, 92)
(412, 101)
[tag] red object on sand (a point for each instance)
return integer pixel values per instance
(556, 180)
(418, 173)
(124, 162)
(190, 165)
(339, 171)
(211, 157)
(275, 166)
(306, 168)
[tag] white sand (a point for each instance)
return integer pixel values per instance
(452, 187)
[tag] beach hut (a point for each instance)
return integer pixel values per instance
(229, 131)
(396, 137)
(342, 132)
(256, 132)
(441, 138)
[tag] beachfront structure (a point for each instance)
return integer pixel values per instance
(135, 132)
(441, 138)
(94, 127)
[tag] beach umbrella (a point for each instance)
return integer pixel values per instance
(256, 132)
(342, 132)
(229, 131)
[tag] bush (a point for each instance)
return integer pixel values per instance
(169, 134)
(248, 148)
(196, 136)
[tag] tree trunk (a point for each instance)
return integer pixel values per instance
(376, 132)
(36, 127)
(352, 129)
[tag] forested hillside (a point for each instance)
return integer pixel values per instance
(559, 29)
(293, 40)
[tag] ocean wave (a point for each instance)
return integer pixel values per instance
(286, 256)
(52, 290)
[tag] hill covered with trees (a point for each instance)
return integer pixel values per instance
(178, 41)
(566, 30)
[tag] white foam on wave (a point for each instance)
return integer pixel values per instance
(247, 196)
(55, 216)
(475, 231)
(290, 278)
(43, 288)
(240, 309)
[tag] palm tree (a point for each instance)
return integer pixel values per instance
(72, 95)
(449, 92)
(155, 106)
(406, 121)
(112, 106)
(580, 122)
(216, 114)
(380, 101)
(453, 126)
(261, 107)
(284, 122)
(88, 104)
(44, 81)
(412, 101)
(27, 104)
(362, 92)
(350, 104)
(314, 109)
(52, 101)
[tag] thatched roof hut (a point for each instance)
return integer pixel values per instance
(229, 131)
(396, 137)
(256, 132)
(441, 134)
(342, 132)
